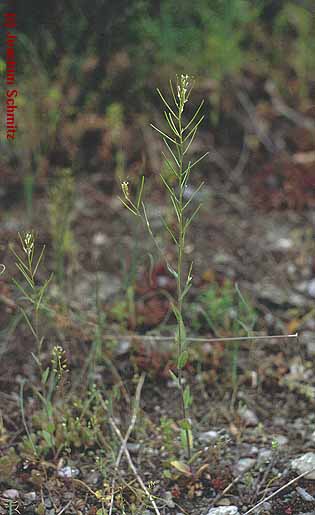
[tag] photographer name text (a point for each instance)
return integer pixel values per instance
(11, 92)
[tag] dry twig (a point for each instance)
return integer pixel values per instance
(124, 450)
(279, 490)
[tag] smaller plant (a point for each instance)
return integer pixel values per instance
(226, 312)
(33, 293)
(60, 208)
(32, 306)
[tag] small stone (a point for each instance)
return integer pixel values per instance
(48, 502)
(304, 494)
(309, 339)
(311, 288)
(208, 436)
(279, 421)
(265, 455)
(133, 447)
(93, 477)
(224, 510)
(169, 500)
(245, 464)
(123, 347)
(304, 463)
(249, 417)
(11, 493)
(254, 450)
(224, 502)
(68, 472)
(30, 497)
(283, 244)
(100, 239)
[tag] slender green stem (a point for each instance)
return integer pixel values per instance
(180, 253)
(177, 144)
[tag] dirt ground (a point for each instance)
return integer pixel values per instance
(255, 230)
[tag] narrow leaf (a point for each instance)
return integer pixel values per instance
(193, 195)
(169, 230)
(29, 323)
(191, 140)
(171, 124)
(163, 134)
(128, 207)
(165, 102)
(194, 128)
(182, 359)
(174, 377)
(194, 116)
(198, 161)
(172, 271)
(172, 153)
(169, 164)
(28, 279)
(168, 187)
(173, 94)
(39, 260)
(188, 222)
(181, 467)
(187, 397)
(140, 192)
(45, 375)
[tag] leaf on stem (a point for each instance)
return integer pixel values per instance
(173, 155)
(183, 359)
(175, 378)
(194, 116)
(173, 94)
(172, 271)
(134, 212)
(187, 397)
(193, 195)
(182, 468)
(188, 222)
(139, 200)
(171, 123)
(169, 230)
(39, 260)
(165, 102)
(194, 128)
(190, 166)
(163, 134)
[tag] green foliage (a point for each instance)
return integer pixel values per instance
(225, 311)
(297, 22)
(73, 424)
(8, 463)
(33, 294)
(199, 36)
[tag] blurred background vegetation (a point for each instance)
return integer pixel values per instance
(87, 73)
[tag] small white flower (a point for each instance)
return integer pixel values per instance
(125, 189)
(28, 243)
